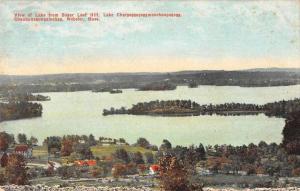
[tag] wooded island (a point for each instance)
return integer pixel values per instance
(191, 108)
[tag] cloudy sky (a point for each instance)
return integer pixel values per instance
(226, 35)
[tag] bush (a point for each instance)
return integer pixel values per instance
(16, 170)
(67, 172)
(118, 170)
(296, 171)
(96, 172)
(2, 179)
(173, 176)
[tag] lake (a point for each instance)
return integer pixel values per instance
(81, 113)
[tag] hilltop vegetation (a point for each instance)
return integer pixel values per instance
(80, 82)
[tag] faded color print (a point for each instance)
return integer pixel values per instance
(149, 95)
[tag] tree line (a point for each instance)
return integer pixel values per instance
(12, 96)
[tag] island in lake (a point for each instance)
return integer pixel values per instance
(191, 108)
(158, 86)
(107, 89)
(116, 91)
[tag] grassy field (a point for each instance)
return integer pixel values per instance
(2, 170)
(98, 151)
(40, 152)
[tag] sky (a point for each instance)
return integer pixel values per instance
(225, 35)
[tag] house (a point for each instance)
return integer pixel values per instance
(85, 163)
(3, 159)
(53, 165)
(203, 171)
(121, 143)
(107, 142)
(154, 169)
(24, 150)
(242, 172)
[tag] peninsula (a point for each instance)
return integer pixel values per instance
(191, 108)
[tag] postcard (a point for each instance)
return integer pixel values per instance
(149, 95)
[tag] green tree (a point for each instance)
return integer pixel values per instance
(91, 140)
(291, 134)
(11, 140)
(84, 150)
(166, 145)
(138, 158)
(53, 142)
(122, 155)
(32, 141)
(22, 138)
(142, 142)
(149, 157)
(4, 141)
(201, 151)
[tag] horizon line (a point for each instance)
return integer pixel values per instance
(157, 72)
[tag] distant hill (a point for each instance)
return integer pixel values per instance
(297, 70)
(258, 77)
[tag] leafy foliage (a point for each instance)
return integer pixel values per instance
(291, 134)
(16, 170)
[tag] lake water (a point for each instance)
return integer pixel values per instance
(81, 113)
